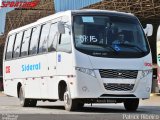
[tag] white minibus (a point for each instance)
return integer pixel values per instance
(79, 56)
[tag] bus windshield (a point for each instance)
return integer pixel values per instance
(109, 36)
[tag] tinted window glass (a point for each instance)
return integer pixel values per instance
(34, 40)
(17, 45)
(53, 36)
(65, 40)
(44, 38)
(110, 36)
(10, 47)
(25, 43)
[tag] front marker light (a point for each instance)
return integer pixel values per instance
(91, 72)
(86, 70)
(144, 73)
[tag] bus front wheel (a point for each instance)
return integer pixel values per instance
(69, 103)
(131, 104)
(26, 102)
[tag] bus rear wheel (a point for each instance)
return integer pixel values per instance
(26, 102)
(71, 104)
(131, 104)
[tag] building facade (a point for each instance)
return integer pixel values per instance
(73, 4)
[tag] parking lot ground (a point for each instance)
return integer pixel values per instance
(55, 110)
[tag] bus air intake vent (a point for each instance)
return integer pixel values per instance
(118, 87)
(124, 74)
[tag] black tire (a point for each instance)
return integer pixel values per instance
(69, 103)
(80, 105)
(131, 104)
(26, 102)
(32, 103)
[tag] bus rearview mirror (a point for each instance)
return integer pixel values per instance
(148, 30)
(61, 28)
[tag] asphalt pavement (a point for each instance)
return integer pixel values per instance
(11, 110)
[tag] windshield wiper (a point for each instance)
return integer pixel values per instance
(131, 45)
(104, 46)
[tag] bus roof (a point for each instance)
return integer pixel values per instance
(59, 14)
(100, 11)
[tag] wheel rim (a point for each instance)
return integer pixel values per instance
(67, 100)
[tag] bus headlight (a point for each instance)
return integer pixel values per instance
(144, 73)
(86, 70)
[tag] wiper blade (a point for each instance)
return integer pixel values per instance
(131, 45)
(112, 49)
(104, 46)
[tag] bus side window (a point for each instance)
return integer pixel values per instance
(10, 47)
(65, 41)
(44, 38)
(25, 42)
(16, 51)
(34, 40)
(53, 37)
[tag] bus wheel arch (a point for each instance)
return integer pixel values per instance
(24, 102)
(61, 89)
(64, 95)
(18, 88)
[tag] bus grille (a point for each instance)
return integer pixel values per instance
(124, 74)
(118, 87)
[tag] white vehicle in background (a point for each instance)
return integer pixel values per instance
(80, 56)
(158, 57)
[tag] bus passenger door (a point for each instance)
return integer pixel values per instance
(64, 55)
(51, 62)
(42, 51)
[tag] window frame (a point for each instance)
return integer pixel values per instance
(6, 49)
(59, 45)
(49, 22)
(23, 39)
(19, 45)
(56, 34)
(31, 39)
